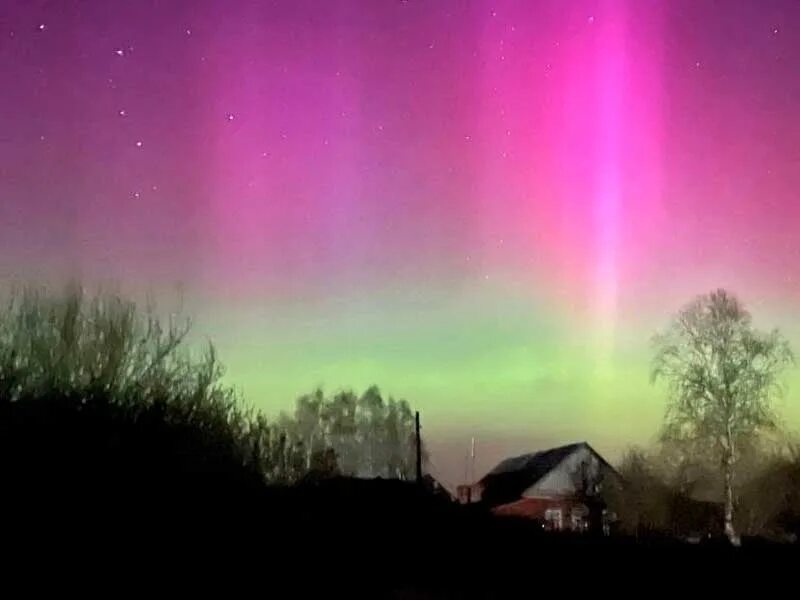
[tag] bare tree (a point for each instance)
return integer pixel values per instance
(588, 481)
(370, 436)
(722, 376)
(642, 501)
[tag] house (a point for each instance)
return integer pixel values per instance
(561, 487)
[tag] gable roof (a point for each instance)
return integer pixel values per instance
(535, 464)
(512, 476)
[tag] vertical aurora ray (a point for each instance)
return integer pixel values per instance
(606, 195)
(606, 171)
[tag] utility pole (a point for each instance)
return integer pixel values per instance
(472, 463)
(419, 449)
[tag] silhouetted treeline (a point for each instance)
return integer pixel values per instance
(102, 415)
(677, 491)
(362, 436)
(94, 390)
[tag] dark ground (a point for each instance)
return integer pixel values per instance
(103, 497)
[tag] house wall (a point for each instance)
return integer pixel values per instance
(554, 512)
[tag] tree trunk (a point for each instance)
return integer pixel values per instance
(728, 461)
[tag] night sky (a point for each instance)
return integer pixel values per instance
(486, 208)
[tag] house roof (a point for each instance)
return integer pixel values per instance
(513, 475)
(535, 464)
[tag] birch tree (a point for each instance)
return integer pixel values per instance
(722, 376)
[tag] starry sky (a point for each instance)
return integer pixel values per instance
(485, 207)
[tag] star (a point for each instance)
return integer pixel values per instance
(122, 113)
(119, 52)
(136, 195)
(42, 27)
(230, 116)
(775, 31)
(590, 19)
(188, 32)
(138, 144)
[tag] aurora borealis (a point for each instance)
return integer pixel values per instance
(486, 208)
